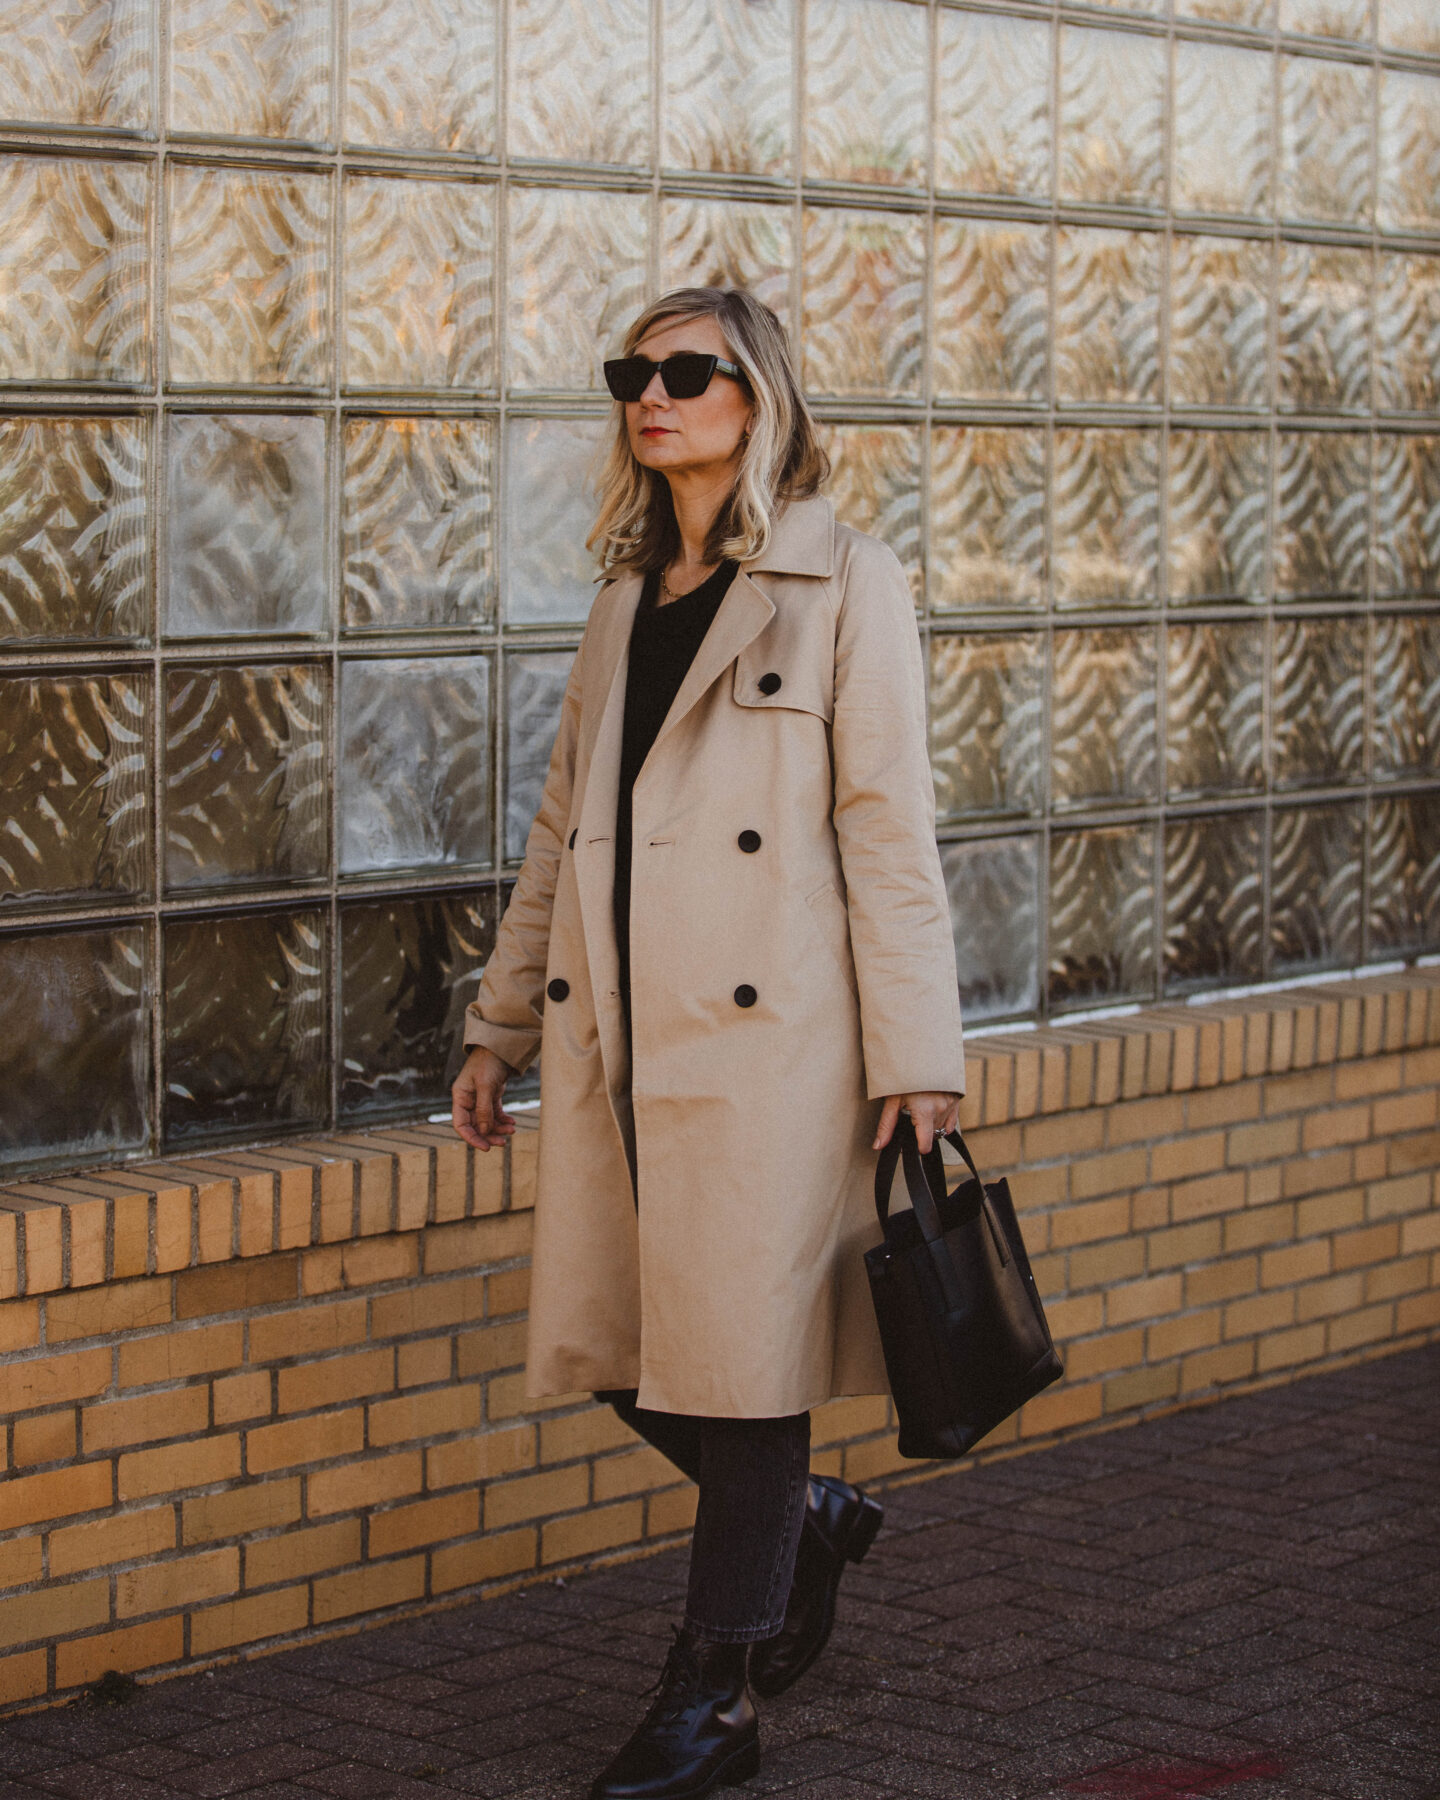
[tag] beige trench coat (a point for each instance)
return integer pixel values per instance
(735, 1287)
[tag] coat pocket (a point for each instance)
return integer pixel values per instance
(832, 919)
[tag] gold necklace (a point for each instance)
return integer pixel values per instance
(667, 593)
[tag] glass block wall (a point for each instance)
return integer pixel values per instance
(1124, 325)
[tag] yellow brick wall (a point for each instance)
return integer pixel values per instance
(268, 1394)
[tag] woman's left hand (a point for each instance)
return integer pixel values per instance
(929, 1113)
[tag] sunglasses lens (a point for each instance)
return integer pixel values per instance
(687, 374)
(628, 376)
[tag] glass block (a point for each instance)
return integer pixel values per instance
(1325, 111)
(414, 757)
(1322, 513)
(992, 118)
(421, 75)
(1326, 18)
(1407, 515)
(251, 68)
(579, 80)
(1106, 516)
(875, 486)
(246, 797)
(1323, 329)
(1407, 333)
(1219, 321)
(1224, 155)
(727, 79)
(1104, 746)
(987, 723)
(1214, 902)
(1405, 698)
(1409, 197)
(990, 320)
(74, 1019)
(1107, 314)
(1102, 916)
(994, 890)
(74, 773)
(865, 91)
(1215, 709)
(577, 279)
(1403, 908)
(550, 467)
(1219, 491)
(249, 278)
(246, 523)
(727, 243)
(408, 970)
(75, 265)
(1316, 863)
(1112, 117)
(864, 303)
(419, 283)
(1256, 15)
(1318, 702)
(534, 690)
(1412, 25)
(418, 524)
(245, 1006)
(74, 537)
(987, 517)
(78, 62)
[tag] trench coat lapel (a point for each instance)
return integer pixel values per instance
(744, 613)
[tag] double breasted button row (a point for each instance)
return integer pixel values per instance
(558, 989)
(770, 684)
(749, 842)
(745, 995)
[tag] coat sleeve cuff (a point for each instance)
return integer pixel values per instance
(947, 1077)
(513, 1046)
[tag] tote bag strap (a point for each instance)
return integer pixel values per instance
(925, 1182)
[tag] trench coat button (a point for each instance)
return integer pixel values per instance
(572, 837)
(749, 842)
(558, 989)
(769, 684)
(745, 995)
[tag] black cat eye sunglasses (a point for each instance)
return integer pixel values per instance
(686, 375)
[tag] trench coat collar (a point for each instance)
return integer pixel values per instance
(802, 541)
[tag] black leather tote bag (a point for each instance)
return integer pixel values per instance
(960, 1318)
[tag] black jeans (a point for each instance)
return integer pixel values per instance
(753, 1475)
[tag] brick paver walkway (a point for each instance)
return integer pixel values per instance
(1242, 1601)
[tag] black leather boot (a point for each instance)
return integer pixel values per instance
(840, 1526)
(700, 1734)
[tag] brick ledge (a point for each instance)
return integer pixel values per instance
(83, 1228)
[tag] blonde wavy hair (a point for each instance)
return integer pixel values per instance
(782, 459)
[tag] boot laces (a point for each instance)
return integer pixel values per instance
(678, 1681)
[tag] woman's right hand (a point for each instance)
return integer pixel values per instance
(475, 1109)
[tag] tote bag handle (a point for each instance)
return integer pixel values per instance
(925, 1182)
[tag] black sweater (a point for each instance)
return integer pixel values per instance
(663, 643)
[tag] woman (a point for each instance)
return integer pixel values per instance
(732, 924)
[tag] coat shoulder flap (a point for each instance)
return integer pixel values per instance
(797, 646)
